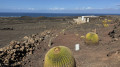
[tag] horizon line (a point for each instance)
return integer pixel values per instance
(60, 13)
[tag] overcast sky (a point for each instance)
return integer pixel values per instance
(61, 6)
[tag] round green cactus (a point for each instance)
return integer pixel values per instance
(59, 56)
(91, 38)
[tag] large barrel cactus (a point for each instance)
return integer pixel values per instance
(91, 38)
(59, 56)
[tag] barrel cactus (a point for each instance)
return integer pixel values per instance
(91, 38)
(59, 56)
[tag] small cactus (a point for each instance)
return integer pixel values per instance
(59, 56)
(106, 25)
(82, 37)
(105, 22)
(91, 38)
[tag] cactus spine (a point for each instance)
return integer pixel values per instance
(91, 38)
(59, 56)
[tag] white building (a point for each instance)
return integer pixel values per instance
(83, 19)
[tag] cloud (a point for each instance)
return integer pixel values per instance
(18, 8)
(31, 8)
(56, 8)
(24, 9)
(91, 8)
(118, 5)
(84, 8)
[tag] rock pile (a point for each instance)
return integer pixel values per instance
(15, 52)
(115, 33)
(7, 28)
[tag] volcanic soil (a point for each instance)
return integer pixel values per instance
(25, 43)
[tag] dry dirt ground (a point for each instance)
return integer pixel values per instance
(29, 51)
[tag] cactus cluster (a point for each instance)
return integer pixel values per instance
(91, 38)
(106, 25)
(59, 56)
(105, 22)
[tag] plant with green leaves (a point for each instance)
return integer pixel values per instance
(59, 56)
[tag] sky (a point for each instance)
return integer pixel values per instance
(61, 6)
